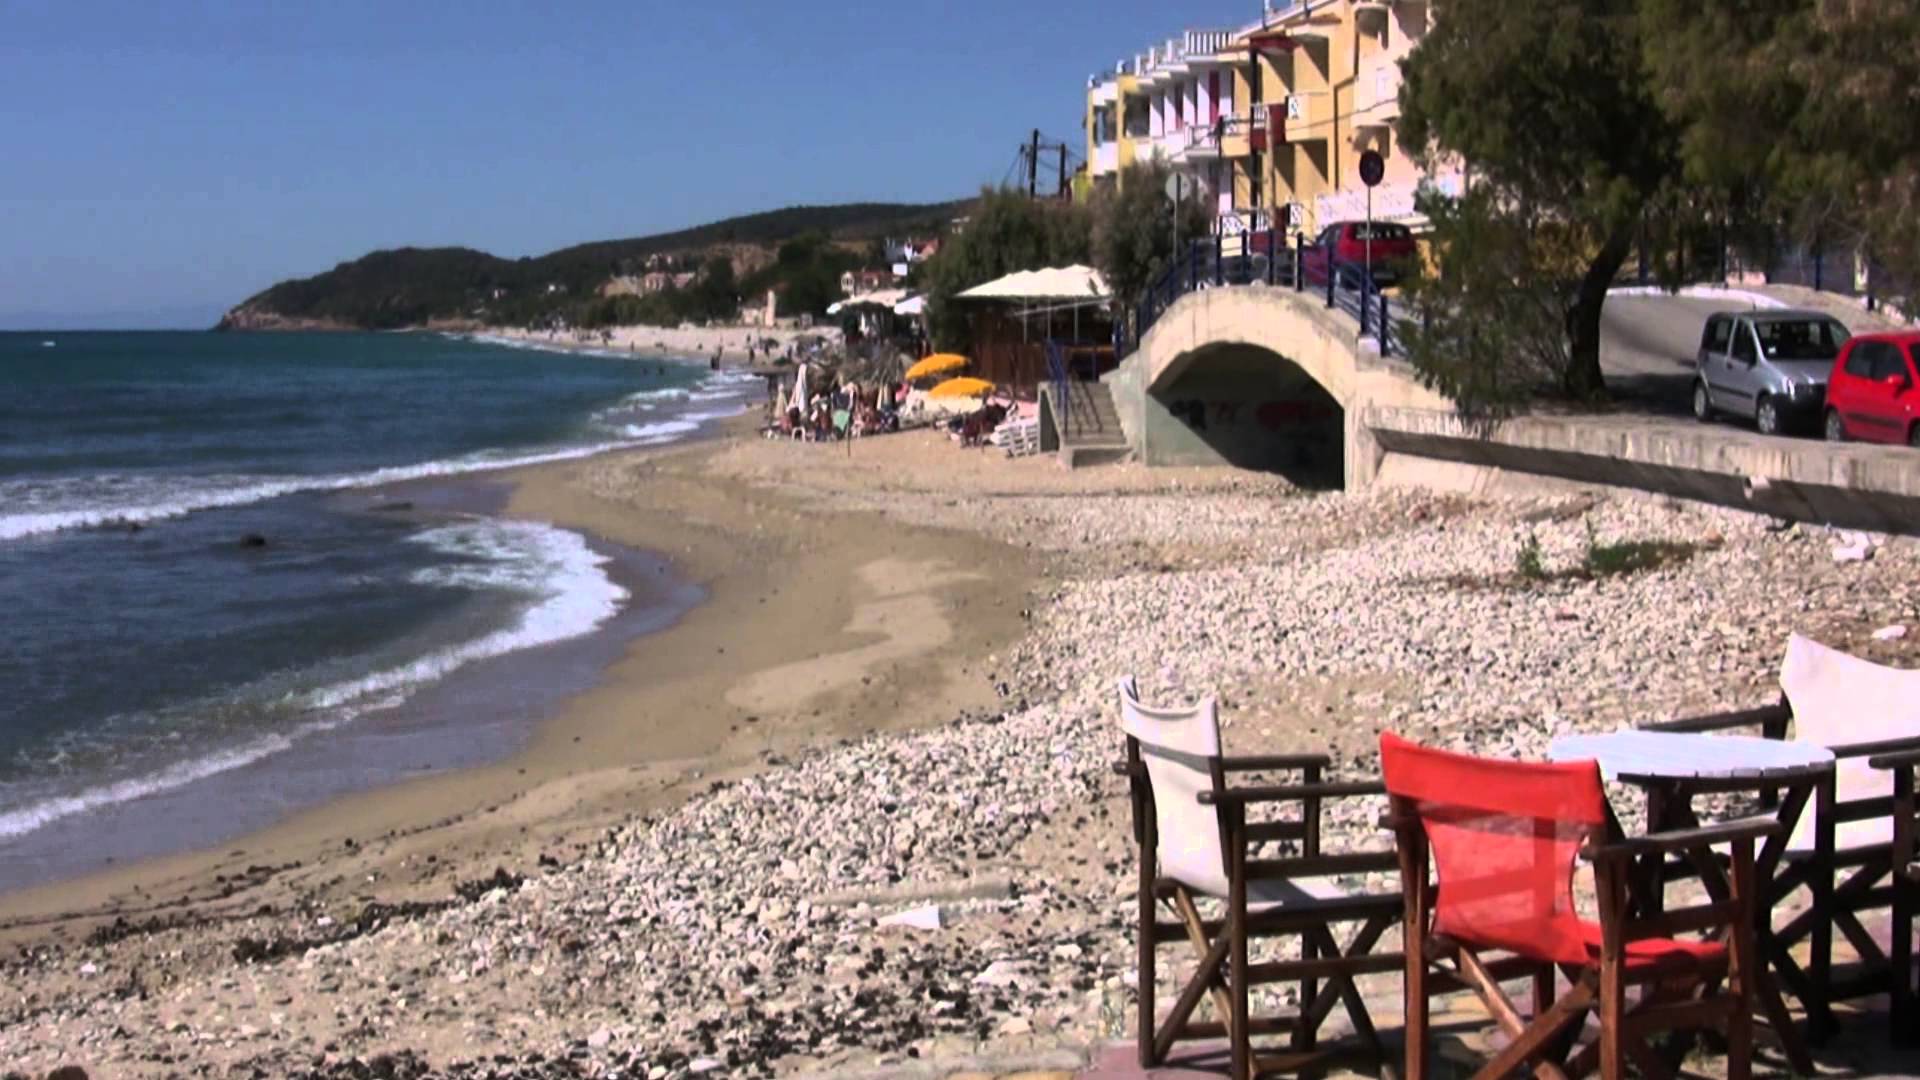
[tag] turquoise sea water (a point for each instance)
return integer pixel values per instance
(204, 568)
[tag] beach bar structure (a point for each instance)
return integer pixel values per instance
(1019, 314)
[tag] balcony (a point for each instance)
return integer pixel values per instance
(1106, 159)
(1309, 116)
(1376, 92)
(1198, 143)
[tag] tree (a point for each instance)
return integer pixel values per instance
(1551, 104)
(1006, 232)
(1133, 228)
(1803, 117)
(714, 295)
(1490, 332)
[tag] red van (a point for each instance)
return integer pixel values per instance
(1874, 392)
(1344, 245)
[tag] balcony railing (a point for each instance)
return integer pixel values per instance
(1267, 259)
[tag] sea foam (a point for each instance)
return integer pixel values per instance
(567, 594)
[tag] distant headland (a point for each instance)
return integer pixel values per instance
(796, 249)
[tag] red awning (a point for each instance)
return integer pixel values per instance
(1275, 40)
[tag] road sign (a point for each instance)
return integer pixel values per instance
(1372, 167)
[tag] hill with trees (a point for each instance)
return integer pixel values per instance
(407, 287)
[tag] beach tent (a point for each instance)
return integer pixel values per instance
(1062, 285)
(883, 299)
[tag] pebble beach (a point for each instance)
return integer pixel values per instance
(956, 892)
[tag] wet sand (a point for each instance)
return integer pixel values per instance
(819, 623)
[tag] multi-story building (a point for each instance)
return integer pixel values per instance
(1270, 120)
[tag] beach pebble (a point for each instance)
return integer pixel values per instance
(726, 933)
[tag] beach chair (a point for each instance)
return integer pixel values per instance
(1497, 904)
(1198, 848)
(1904, 993)
(1843, 849)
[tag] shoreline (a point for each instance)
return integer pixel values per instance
(689, 344)
(801, 604)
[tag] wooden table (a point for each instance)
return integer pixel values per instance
(1673, 768)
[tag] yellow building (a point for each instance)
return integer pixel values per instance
(1270, 120)
(1329, 74)
(1110, 143)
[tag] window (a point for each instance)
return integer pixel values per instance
(1801, 339)
(1714, 339)
(1860, 360)
(1743, 344)
(1888, 363)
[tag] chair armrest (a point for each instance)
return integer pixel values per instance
(1750, 828)
(1260, 762)
(1124, 768)
(1897, 759)
(1291, 792)
(1722, 721)
(1887, 747)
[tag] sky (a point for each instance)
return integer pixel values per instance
(163, 161)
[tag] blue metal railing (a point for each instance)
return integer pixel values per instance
(1265, 258)
(1058, 375)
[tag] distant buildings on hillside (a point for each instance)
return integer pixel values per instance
(1269, 121)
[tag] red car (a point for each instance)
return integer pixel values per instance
(1872, 393)
(1344, 244)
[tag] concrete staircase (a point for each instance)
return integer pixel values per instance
(1091, 434)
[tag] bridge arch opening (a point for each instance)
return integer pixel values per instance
(1251, 408)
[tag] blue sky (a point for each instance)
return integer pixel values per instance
(165, 160)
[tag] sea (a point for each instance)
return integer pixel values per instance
(241, 574)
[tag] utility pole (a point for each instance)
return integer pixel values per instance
(1063, 170)
(1033, 166)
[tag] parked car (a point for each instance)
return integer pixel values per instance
(1770, 367)
(1871, 393)
(1344, 245)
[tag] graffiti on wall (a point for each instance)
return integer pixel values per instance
(1300, 416)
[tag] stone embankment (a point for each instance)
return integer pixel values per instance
(913, 905)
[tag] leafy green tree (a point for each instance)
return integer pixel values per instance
(1490, 330)
(1006, 232)
(714, 295)
(1804, 114)
(1133, 228)
(1551, 104)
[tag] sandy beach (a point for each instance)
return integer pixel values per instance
(897, 698)
(804, 613)
(671, 342)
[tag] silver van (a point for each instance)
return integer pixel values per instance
(1770, 367)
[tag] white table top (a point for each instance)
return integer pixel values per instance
(1682, 756)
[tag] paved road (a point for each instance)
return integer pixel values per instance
(1647, 343)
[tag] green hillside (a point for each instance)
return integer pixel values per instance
(412, 286)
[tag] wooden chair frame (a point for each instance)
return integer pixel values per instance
(1903, 993)
(1843, 883)
(1674, 995)
(1226, 974)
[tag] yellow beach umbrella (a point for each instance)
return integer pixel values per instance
(937, 364)
(961, 388)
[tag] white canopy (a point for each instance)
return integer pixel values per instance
(1068, 283)
(885, 298)
(914, 305)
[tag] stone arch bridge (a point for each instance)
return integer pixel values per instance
(1265, 378)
